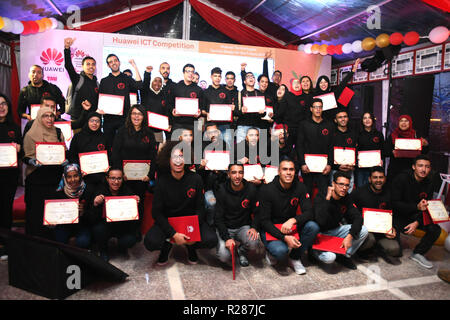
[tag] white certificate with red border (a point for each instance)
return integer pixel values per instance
(254, 104)
(158, 121)
(270, 172)
(408, 144)
(136, 169)
(123, 208)
(344, 156)
(50, 153)
(8, 155)
(220, 112)
(253, 172)
(328, 100)
(378, 220)
(133, 98)
(186, 106)
(369, 159)
(316, 162)
(111, 104)
(94, 162)
(217, 160)
(437, 211)
(64, 211)
(34, 108)
(66, 128)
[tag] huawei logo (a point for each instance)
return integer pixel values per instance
(52, 55)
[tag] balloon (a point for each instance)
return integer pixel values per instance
(368, 44)
(60, 25)
(8, 25)
(347, 48)
(54, 23)
(338, 49)
(34, 27)
(323, 49)
(47, 22)
(356, 46)
(315, 48)
(301, 48)
(41, 25)
(396, 38)
(382, 40)
(1, 23)
(18, 27)
(411, 38)
(26, 28)
(330, 49)
(308, 48)
(438, 34)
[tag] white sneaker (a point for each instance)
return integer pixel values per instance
(297, 266)
(4, 258)
(420, 259)
(270, 259)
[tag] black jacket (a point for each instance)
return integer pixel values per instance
(32, 95)
(215, 96)
(347, 139)
(364, 197)
(373, 140)
(295, 109)
(248, 119)
(10, 133)
(315, 138)
(181, 90)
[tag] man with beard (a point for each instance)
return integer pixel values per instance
(36, 89)
(375, 195)
(168, 84)
(119, 84)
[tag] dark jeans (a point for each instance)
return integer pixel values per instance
(124, 231)
(319, 179)
(110, 126)
(432, 233)
(64, 232)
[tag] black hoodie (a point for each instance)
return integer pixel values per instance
(32, 95)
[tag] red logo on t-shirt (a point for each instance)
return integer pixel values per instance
(11, 134)
(222, 95)
(376, 139)
(343, 209)
(96, 90)
(193, 95)
(302, 102)
(145, 139)
(294, 202)
(325, 132)
(382, 205)
(163, 103)
(121, 85)
(257, 203)
(268, 101)
(245, 203)
(423, 195)
(191, 193)
(349, 140)
(101, 147)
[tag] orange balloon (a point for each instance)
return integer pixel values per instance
(315, 48)
(368, 44)
(41, 25)
(47, 23)
(382, 40)
(323, 49)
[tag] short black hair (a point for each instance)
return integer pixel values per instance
(188, 65)
(230, 72)
(114, 168)
(111, 55)
(278, 71)
(128, 70)
(316, 100)
(211, 124)
(88, 58)
(287, 159)
(262, 76)
(421, 157)
(48, 97)
(216, 70)
(339, 174)
(235, 164)
(377, 169)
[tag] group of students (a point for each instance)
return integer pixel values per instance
(233, 213)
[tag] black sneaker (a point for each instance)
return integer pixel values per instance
(389, 259)
(192, 255)
(243, 261)
(346, 262)
(164, 254)
(104, 256)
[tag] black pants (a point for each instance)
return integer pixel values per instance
(155, 238)
(319, 179)
(8, 187)
(432, 233)
(110, 126)
(124, 231)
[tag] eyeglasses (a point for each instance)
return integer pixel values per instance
(94, 121)
(137, 114)
(3, 104)
(343, 185)
(114, 179)
(189, 71)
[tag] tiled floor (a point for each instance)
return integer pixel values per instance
(210, 280)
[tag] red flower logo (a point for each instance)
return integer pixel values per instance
(121, 85)
(191, 193)
(11, 134)
(193, 95)
(101, 147)
(382, 205)
(163, 103)
(302, 103)
(222, 95)
(245, 203)
(96, 90)
(268, 101)
(294, 202)
(325, 132)
(349, 141)
(423, 195)
(52, 55)
(145, 139)
(376, 139)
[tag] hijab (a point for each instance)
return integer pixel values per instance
(76, 192)
(151, 81)
(406, 134)
(291, 88)
(87, 130)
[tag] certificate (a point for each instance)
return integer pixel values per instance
(328, 101)
(268, 110)
(111, 104)
(270, 172)
(369, 159)
(217, 160)
(50, 153)
(293, 232)
(377, 220)
(34, 108)
(133, 99)
(437, 211)
(220, 112)
(344, 156)
(316, 162)
(187, 225)
(8, 155)
(136, 169)
(94, 162)
(253, 172)
(186, 106)
(158, 121)
(66, 128)
(407, 148)
(64, 211)
(123, 208)
(254, 104)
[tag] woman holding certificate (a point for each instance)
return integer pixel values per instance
(10, 152)
(45, 157)
(398, 162)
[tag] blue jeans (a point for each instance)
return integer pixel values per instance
(210, 206)
(342, 232)
(227, 133)
(279, 249)
(82, 234)
(362, 176)
(240, 234)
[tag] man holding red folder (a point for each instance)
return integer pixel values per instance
(279, 201)
(178, 194)
(338, 216)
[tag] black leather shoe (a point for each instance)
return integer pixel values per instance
(164, 254)
(192, 255)
(346, 262)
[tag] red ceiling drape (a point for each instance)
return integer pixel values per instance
(232, 28)
(122, 21)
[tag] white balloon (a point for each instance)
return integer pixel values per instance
(18, 27)
(54, 23)
(356, 46)
(447, 243)
(301, 47)
(347, 48)
(307, 48)
(60, 26)
(8, 25)
(438, 34)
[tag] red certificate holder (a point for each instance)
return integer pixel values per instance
(354, 154)
(187, 225)
(13, 164)
(55, 144)
(46, 223)
(160, 118)
(328, 244)
(293, 232)
(187, 114)
(345, 97)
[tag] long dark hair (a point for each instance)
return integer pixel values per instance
(164, 155)
(9, 116)
(144, 126)
(372, 116)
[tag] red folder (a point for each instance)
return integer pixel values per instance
(294, 233)
(187, 225)
(328, 243)
(345, 97)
